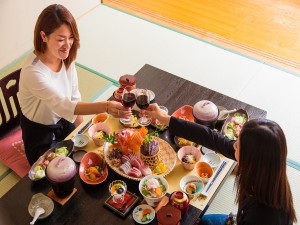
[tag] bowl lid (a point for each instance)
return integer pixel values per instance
(168, 215)
(127, 80)
(61, 169)
(205, 110)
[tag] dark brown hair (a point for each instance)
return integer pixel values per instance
(50, 19)
(262, 166)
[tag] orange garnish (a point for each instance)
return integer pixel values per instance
(158, 191)
(204, 175)
(146, 211)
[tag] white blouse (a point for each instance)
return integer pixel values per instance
(46, 96)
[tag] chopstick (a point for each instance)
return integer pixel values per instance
(214, 178)
(85, 127)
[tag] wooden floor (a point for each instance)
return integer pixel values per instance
(268, 30)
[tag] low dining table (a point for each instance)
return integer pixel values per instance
(86, 206)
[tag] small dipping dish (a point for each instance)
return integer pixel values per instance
(78, 155)
(212, 159)
(80, 140)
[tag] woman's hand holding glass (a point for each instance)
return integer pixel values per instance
(117, 110)
(157, 112)
(128, 101)
(143, 101)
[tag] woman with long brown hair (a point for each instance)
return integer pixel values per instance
(48, 90)
(263, 192)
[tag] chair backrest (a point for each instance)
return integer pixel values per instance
(10, 107)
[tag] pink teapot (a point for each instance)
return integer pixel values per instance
(180, 200)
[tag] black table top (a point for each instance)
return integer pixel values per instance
(87, 205)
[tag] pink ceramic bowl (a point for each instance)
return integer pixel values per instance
(189, 156)
(96, 128)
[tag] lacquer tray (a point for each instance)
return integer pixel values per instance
(167, 155)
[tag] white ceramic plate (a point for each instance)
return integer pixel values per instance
(137, 214)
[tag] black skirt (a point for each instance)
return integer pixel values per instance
(38, 138)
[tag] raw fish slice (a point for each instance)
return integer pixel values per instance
(125, 158)
(136, 163)
(134, 172)
(140, 161)
(146, 170)
(126, 167)
(132, 155)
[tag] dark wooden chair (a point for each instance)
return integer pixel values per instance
(12, 152)
(9, 108)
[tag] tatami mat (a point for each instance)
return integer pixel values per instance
(12, 67)
(127, 43)
(224, 201)
(8, 182)
(90, 84)
(3, 168)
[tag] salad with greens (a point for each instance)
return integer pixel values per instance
(234, 125)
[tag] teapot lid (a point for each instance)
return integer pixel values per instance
(61, 169)
(168, 215)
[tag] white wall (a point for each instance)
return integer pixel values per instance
(17, 21)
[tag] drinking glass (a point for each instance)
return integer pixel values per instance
(166, 111)
(128, 100)
(117, 190)
(143, 101)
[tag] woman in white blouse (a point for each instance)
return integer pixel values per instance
(48, 90)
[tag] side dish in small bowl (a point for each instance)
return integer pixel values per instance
(191, 185)
(100, 118)
(181, 142)
(93, 169)
(153, 188)
(98, 132)
(189, 156)
(204, 171)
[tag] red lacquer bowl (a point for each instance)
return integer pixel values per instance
(88, 160)
(185, 112)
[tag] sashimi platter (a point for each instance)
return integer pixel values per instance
(136, 154)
